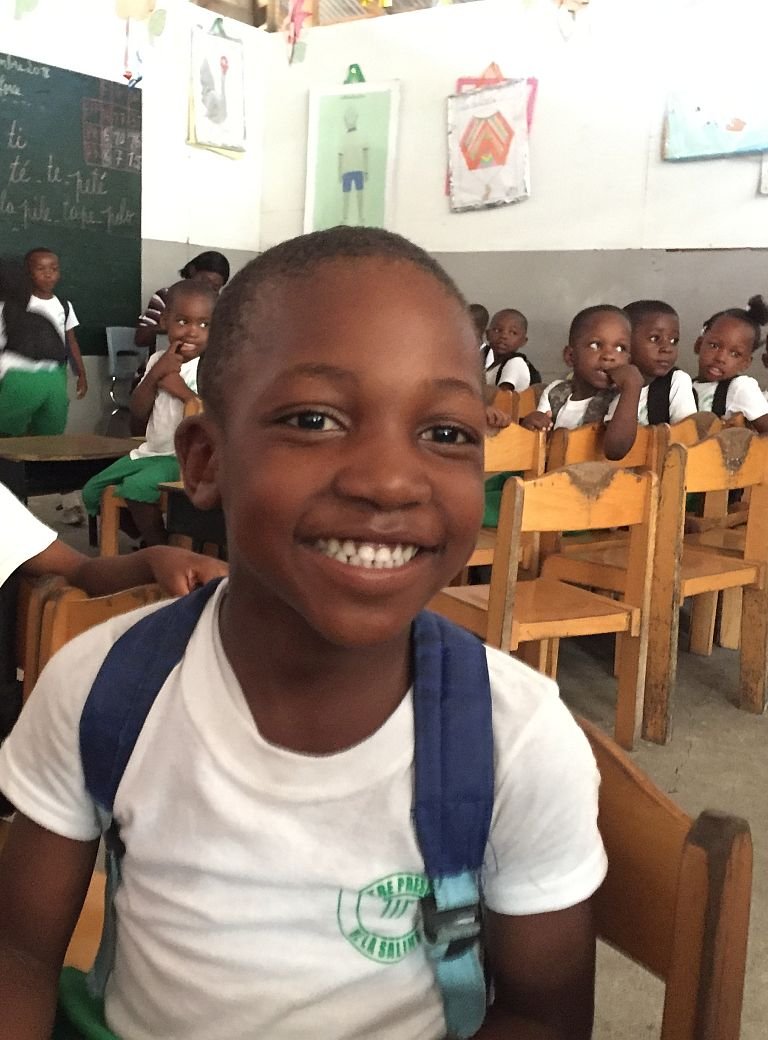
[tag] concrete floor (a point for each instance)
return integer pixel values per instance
(715, 760)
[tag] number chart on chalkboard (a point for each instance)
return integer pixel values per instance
(70, 180)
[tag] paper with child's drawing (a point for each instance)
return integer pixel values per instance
(488, 156)
(217, 93)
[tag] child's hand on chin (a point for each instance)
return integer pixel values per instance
(625, 377)
(496, 418)
(537, 421)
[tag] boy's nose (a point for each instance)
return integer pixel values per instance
(385, 475)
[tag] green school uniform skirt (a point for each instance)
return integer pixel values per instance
(34, 403)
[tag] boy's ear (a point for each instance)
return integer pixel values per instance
(697, 345)
(196, 447)
(568, 355)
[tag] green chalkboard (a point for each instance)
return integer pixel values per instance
(70, 179)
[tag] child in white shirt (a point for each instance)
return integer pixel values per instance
(598, 351)
(725, 348)
(169, 381)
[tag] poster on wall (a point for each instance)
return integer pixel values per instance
(488, 156)
(217, 94)
(351, 155)
(710, 119)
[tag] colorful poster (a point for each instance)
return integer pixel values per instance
(217, 93)
(488, 157)
(351, 155)
(710, 119)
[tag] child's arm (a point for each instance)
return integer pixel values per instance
(176, 571)
(143, 397)
(74, 349)
(176, 387)
(543, 969)
(43, 881)
(621, 431)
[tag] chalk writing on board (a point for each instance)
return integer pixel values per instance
(112, 129)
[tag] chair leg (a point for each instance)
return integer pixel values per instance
(617, 655)
(109, 524)
(754, 651)
(631, 690)
(729, 634)
(703, 613)
(534, 654)
(553, 653)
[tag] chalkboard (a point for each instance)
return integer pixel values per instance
(70, 180)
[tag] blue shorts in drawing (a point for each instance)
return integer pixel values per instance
(352, 179)
(382, 920)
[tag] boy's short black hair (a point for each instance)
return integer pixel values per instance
(210, 260)
(515, 313)
(479, 316)
(584, 316)
(756, 315)
(188, 288)
(237, 321)
(33, 252)
(638, 310)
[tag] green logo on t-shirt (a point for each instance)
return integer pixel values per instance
(381, 920)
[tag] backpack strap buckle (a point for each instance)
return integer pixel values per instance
(450, 931)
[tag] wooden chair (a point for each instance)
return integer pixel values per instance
(504, 400)
(84, 943)
(517, 450)
(509, 613)
(676, 898)
(69, 611)
(33, 595)
(585, 444)
(694, 428)
(525, 401)
(733, 458)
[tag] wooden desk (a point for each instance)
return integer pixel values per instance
(183, 518)
(49, 465)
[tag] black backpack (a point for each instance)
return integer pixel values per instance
(34, 336)
(659, 390)
(532, 370)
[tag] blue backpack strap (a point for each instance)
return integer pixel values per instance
(453, 805)
(123, 692)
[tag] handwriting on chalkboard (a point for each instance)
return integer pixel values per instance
(45, 190)
(112, 129)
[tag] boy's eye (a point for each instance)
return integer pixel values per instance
(654, 337)
(317, 422)
(593, 345)
(447, 435)
(622, 347)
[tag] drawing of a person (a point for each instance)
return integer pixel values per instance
(353, 165)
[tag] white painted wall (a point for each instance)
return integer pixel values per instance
(597, 178)
(188, 194)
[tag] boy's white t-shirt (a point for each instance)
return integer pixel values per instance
(23, 535)
(571, 415)
(167, 413)
(514, 371)
(52, 309)
(682, 403)
(268, 893)
(744, 397)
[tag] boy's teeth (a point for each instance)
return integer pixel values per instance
(366, 554)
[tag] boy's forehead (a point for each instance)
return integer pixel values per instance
(603, 319)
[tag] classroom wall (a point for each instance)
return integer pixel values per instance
(604, 207)
(191, 199)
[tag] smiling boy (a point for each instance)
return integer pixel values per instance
(267, 807)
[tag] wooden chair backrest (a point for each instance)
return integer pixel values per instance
(585, 444)
(676, 898)
(33, 595)
(194, 406)
(732, 458)
(586, 496)
(524, 402)
(694, 428)
(515, 449)
(68, 612)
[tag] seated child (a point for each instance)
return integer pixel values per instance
(667, 394)
(271, 881)
(725, 347)
(510, 369)
(598, 352)
(170, 381)
(479, 317)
